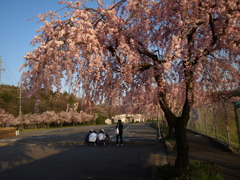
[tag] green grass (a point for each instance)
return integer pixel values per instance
(197, 170)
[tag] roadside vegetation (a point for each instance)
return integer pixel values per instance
(197, 170)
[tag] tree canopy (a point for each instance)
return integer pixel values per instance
(108, 52)
(140, 51)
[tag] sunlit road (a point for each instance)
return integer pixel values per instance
(61, 154)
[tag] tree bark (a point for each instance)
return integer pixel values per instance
(170, 134)
(170, 117)
(182, 160)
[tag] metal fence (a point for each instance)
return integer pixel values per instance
(219, 120)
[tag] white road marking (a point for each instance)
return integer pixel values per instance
(126, 128)
(13, 140)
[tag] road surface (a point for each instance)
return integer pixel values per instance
(61, 154)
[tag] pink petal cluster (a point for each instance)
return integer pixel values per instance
(130, 51)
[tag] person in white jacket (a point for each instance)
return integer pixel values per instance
(92, 138)
(101, 137)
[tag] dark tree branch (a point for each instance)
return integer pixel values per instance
(114, 54)
(144, 66)
(214, 35)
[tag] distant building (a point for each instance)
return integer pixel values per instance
(128, 118)
(108, 121)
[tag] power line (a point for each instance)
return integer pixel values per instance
(12, 76)
(1, 69)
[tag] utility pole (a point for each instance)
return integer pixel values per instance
(20, 100)
(1, 69)
(20, 107)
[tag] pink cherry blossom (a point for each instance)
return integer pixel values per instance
(138, 52)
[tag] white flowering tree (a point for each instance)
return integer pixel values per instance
(49, 117)
(7, 119)
(87, 117)
(77, 118)
(111, 51)
(64, 117)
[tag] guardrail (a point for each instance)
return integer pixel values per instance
(7, 131)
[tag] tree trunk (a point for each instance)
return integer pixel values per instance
(170, 123)
(179, 123)
(171, 134)
(182, 160)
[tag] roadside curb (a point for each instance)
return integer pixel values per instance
(161, 156)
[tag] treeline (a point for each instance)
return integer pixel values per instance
(49, 102)
(10, 101)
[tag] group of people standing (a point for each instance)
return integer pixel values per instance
(101, 138)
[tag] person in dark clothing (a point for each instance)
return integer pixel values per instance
(119, 133)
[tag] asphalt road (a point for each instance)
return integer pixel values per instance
(61, 154)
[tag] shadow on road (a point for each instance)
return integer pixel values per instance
(64, 156)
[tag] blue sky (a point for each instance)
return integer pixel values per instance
(16, 32)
